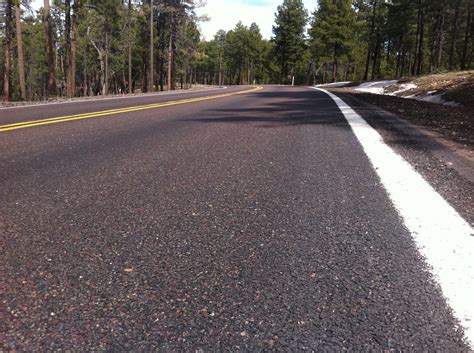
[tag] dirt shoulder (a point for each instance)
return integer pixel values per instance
(453, 123)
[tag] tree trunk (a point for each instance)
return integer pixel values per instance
(161, 75)
(367, 64)
(101, 53)
(419, 67)
(375, 71)
(71, 85)
(389, 50)
(346, 71)
(67, 37)
(49, 48)
(440, 39)
(7, 52)
(417, 45)
(70, 34)
(454, 31)
(433, 43)
(399, 57)
(106, 73)
(248, 73)
(371, 37)
(410, 63)
(171, 57)
(86, 85)
(220, 69)
(62, 59)
(467, 36)
(21, 56)
(130, 85)
(85, 79)
(152, 56)
(144, 77)
(185, 76)
(402, 69)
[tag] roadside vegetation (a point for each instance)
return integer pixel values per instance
(72, 48)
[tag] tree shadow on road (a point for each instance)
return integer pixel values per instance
(295, 107)
(280, 108)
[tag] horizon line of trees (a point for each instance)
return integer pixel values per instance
(75, 48)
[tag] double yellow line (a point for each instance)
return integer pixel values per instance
(62, 119)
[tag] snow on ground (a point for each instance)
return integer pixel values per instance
(334, 84)
(403, 88)
(396, 89)
(379, 87)
(375, 87)
(434, 98)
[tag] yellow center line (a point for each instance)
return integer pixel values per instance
(61, 119)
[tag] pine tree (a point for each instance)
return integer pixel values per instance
(151, 87)
(129, 46)
(468, 35)
(20, 51)
(7, 52)
(332, 32)
(111, 46)
(51, 87)
(289, 37)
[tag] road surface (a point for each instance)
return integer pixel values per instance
(242, 222)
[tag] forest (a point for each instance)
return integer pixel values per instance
(72, 48)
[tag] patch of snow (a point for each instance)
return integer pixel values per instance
(375, 87)
(334, 84)
(435, 98)
(378, 87)
(403, 88)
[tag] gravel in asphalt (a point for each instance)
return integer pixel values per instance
(251, 222)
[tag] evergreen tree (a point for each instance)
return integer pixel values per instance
(7, 49)
(332, 32)
(48, 30)
(289, 37)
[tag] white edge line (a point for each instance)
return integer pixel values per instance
(124, 96)
(443, 237)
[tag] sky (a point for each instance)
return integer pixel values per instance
(224, 14)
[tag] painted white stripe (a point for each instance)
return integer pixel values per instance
(443, 237)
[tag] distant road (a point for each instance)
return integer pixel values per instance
(241, 222)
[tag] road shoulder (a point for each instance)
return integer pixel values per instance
(446, 164)
(443, 237)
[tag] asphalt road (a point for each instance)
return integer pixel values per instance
(247, 222)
